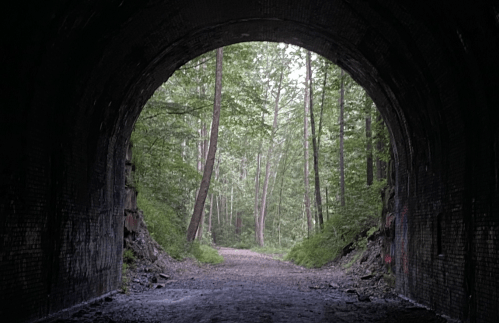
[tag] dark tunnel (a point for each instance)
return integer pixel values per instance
(76, 74)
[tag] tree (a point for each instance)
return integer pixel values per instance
(210, 160)
(318, 198)
(342, 135)
(369, 145)
(380, 147)
(269, 156)
(170, 139)
(305, 146)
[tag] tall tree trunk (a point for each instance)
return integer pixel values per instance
(204, 150)
(218, 211)
(199, 233)
(380, 147)
(269, 157)
(342, 134)
(305, 145)
(202, 146)
(257, 193)
(327, 205)
(199, 157)
(326, 66)
(369, 145)
(217, 172)
(279, 216)
(318, 198)
(231, 203)
(226, 182)
(211, 213)
(239, 224)
(205, 182)
(257, 181)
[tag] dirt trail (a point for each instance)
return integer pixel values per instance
(251, 287)
(249, 266)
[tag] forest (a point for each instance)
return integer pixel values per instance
(300, 157)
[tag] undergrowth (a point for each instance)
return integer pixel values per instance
(128, 263)
(164, 225)
(206, 254)
(343, 228)
(167, 228)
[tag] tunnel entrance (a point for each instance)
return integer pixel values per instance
(80, 74)
(259, 194)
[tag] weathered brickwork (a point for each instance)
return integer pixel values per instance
(75, 76)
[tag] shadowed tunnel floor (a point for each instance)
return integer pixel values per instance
(250, 287)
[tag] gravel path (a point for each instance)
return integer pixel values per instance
(252, 287)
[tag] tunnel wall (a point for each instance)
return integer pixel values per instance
(77, 74)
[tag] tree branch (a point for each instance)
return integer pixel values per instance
(189, 67)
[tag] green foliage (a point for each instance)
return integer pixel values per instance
(164, 224)
(319, 249)
(206, 254)
(128, 256)
(340, 230)
(167, 137)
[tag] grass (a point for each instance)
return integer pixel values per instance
(125, 280)
(314, 252)
(206, 254)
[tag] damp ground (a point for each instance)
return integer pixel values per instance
(253, 287)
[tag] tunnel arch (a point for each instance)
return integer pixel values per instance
(80, 74)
